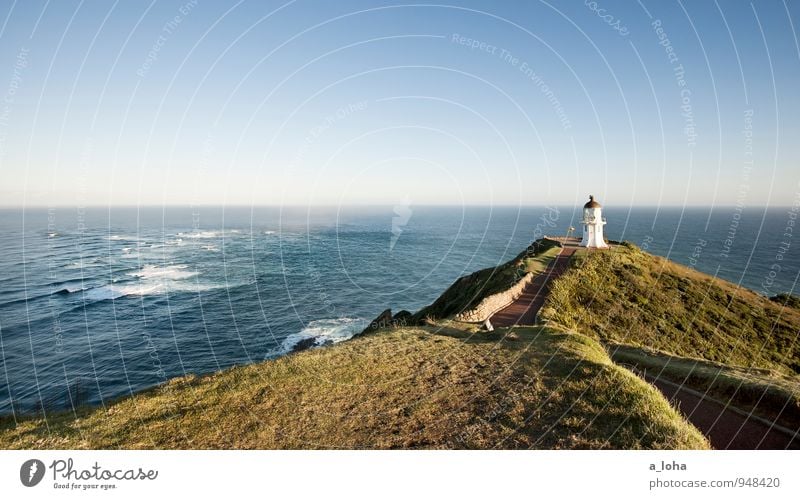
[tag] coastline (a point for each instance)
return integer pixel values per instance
(408, 333)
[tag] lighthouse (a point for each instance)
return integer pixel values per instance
(593, 223)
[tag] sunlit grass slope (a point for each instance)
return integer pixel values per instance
(419, 387)
(631, 297)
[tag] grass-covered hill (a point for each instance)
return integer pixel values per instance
(410, 387)
(632, 297)
(673, 322)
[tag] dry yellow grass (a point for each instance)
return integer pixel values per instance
(631, 297)
(420, 387)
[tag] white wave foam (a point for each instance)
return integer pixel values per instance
(170, 272)
(114, 291)
(117, 237)
(153, 280)
(210, 234)
(203, 234)
(325, 332)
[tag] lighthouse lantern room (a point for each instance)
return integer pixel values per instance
(593, 223)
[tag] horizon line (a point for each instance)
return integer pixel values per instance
(375, 205)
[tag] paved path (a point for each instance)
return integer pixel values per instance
(524, 309)
(725, 428)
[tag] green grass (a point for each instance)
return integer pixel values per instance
(419, 387)
(539, 263)
(468, 291)
(631, 297)
(766, 393)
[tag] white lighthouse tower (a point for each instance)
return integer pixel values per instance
(593, 223)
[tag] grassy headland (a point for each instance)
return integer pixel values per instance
(631, 297)
(687, 327)
(411, 387)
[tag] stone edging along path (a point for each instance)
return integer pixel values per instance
(498, 301)
(523, 310)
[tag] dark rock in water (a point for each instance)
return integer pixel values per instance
(304, 344)
(402, 318)
(386, 319)
(383, 320)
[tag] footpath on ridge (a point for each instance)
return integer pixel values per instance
(523, 310)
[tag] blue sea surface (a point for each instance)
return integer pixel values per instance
(99, 303)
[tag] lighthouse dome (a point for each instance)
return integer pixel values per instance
(592, 203)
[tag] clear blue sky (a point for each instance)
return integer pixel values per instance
(377, 101)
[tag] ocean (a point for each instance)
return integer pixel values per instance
(99, 303)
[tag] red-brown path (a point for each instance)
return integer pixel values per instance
(523, 310)
(725, 428)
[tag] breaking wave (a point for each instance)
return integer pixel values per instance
(324, 332)
(170, 272)
(152, 280)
